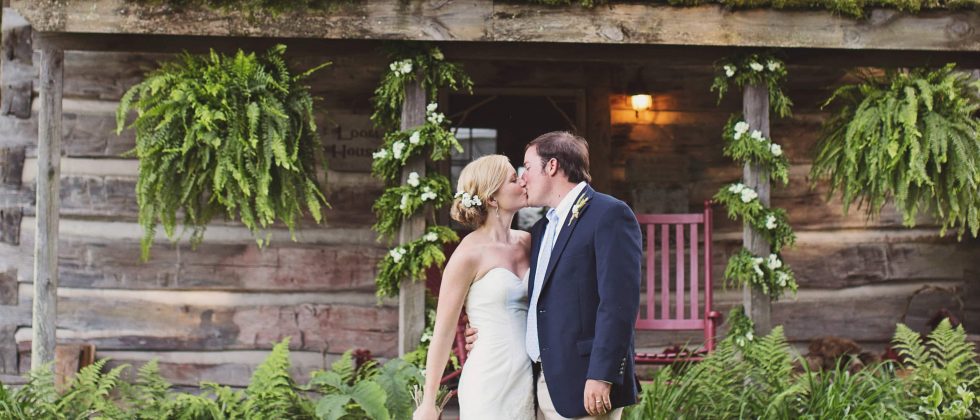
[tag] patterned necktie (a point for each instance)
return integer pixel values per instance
(544, 256)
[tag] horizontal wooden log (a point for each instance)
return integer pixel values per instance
(486, 20)
(870, 315)
(17, 66)
(209, 321)
(93, 262)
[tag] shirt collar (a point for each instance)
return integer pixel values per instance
(569, 200)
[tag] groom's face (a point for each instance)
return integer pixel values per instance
(534, 179)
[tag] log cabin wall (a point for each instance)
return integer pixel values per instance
(213, 313)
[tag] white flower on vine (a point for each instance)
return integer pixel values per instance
(773, 65)
(413, 179)
(428, 194)
(770, 222)
(756, 266)
(397, 148)
(749, 336)
(756, 66)
(736, 188)
(729, 70)
(380, 154)
(436, 118)
(782, 278)
(757, 135)
(415, 138)
(437, 54)
(401, 67)
(741, 128)
(773, 262)
(397, 254)
(404, 204)
(748, 195)
(431, 237)
(431, 107)
(776, 150)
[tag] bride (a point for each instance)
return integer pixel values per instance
(488, 273)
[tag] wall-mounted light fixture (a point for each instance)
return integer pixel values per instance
(640, 99)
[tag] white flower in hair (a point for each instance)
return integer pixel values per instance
(414, 138)
(776, 149)
(773, 262)
(413, 179)
(468, 200)
(756, 66)
(729, 70)
(770, 222)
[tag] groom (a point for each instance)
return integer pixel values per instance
(585, 285)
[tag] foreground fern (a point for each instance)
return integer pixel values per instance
(911, 136)
(219, 134)
(944, 376)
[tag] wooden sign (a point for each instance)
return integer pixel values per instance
(349, 140)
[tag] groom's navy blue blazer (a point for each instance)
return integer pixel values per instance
(589, 302)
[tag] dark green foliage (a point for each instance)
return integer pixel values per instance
(398, 203)
(421, 59)
(852, 8)
(944, 376)
(410, 261)
(911, 137)
(218, 134)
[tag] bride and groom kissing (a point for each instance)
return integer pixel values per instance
(551, 311)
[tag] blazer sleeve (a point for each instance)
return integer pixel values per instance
(618, 252)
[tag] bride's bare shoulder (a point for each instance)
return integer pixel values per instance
(524, 238)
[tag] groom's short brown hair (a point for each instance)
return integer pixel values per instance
(571, 152)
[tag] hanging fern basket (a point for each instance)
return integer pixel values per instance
(224, 134)
(910, 136)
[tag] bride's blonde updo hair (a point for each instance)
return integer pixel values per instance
(479, 180)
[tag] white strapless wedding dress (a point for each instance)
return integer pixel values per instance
(496, 382)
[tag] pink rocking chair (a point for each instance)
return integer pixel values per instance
(681, 285)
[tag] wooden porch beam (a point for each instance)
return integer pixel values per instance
(411, 295)
(755, 108)
(489, 20)
(45, 307)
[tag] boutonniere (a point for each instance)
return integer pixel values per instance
(577, 209)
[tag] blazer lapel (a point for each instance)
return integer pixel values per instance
(566, 233)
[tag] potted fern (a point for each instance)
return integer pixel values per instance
(910, 136)
(224, 134)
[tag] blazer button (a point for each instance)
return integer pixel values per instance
(541, 311)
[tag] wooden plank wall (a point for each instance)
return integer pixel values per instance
(858, 277)
(213, 313)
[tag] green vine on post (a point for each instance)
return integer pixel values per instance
(910, 136)
(434, 140)
(766, 273)
(754, 69)
(218, 134)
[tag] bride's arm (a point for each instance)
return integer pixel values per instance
(456, 280)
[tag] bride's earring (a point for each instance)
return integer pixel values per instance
(497, 210)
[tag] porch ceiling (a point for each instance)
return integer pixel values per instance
(488, 20)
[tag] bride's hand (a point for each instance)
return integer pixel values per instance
(426, 412)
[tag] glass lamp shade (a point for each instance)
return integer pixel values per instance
(641, 102)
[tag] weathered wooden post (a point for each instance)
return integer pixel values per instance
(48, 203)
(755, 108)
(411, 295)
